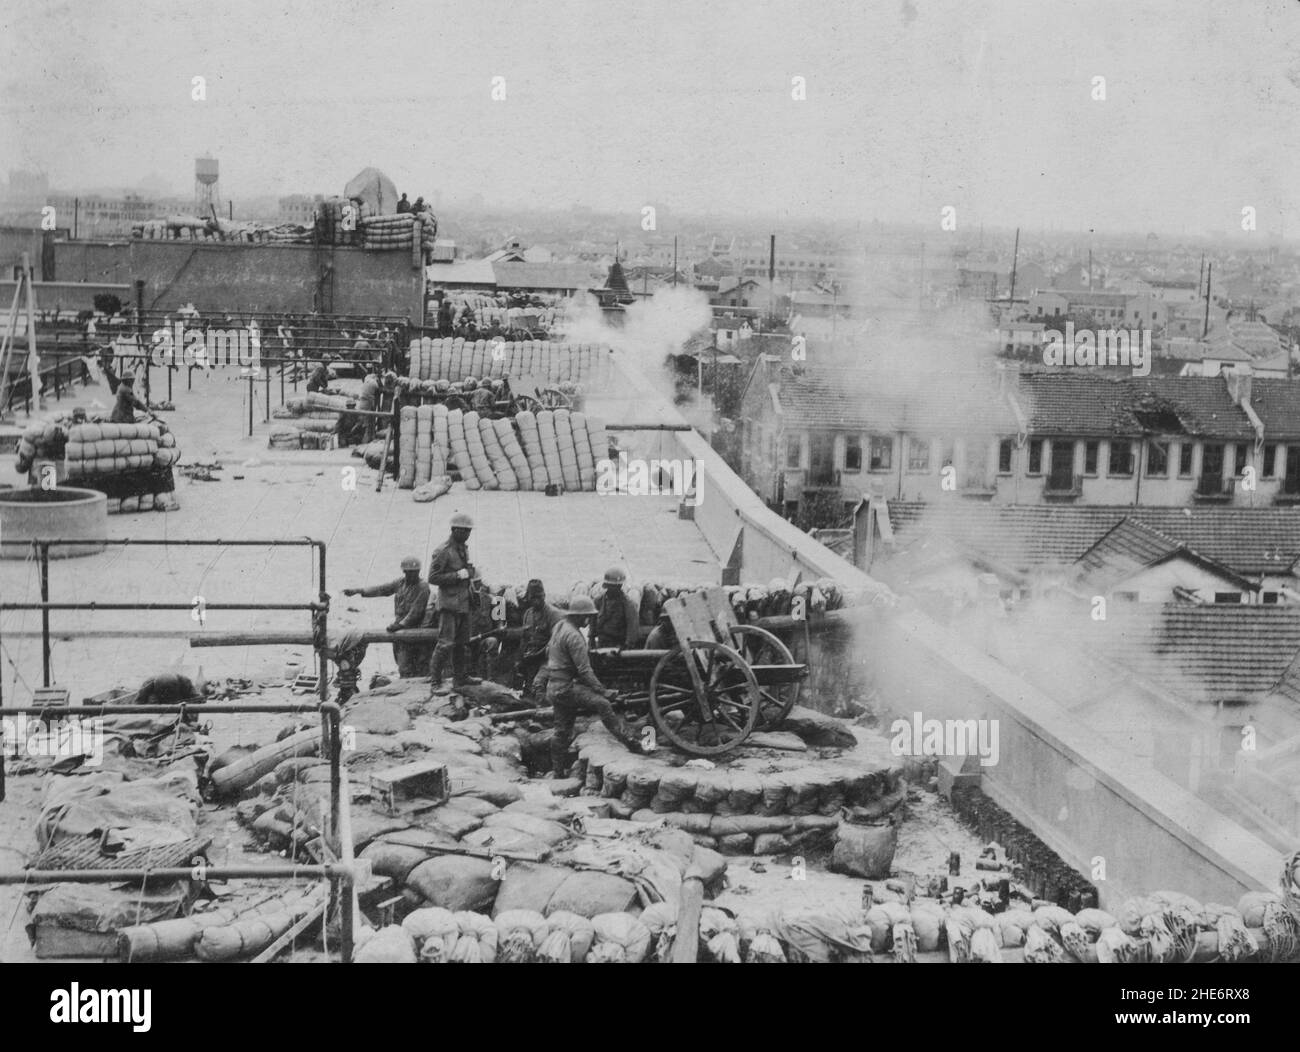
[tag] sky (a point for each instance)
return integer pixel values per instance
(911, 105)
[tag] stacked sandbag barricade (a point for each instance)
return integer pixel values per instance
(315, 420)
(130, 463)
(530, 452)
(398, 231)
(454, 358)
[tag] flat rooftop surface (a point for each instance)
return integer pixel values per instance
(265, 493)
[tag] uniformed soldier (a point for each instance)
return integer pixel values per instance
(618, 618)
(572, 687)
(451, 572)
(126, 404)
(540, 619)
(410, 603)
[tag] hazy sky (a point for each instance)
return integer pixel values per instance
(911, 104)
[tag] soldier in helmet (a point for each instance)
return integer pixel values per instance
(618, 618)
(451, 572)
(410, 604)
(540, 619)
(127, 403)
(573, 689)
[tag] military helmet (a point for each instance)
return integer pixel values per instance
(410, 563)
(581, 605)
(461, 521)
(615, 575)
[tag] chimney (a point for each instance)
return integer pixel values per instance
(1239, 386)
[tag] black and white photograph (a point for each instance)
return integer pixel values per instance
(588, 482)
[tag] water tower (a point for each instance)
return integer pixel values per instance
(205, 186)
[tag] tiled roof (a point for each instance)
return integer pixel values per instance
(1078, 403)
(1128, 547)
(1199, 653)
(927, 404)
(1251, 541)
(1277, 404)
(1255, 338)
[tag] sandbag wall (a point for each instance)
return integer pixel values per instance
(398, 231)
(455, 358)
(528, 453)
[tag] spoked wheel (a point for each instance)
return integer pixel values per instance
(526, 403)
(553, 399)
(758, 646)
(718, 718)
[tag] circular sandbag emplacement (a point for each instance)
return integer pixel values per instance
(62, 513)
(757, 794)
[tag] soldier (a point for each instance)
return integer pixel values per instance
(451, 572)
(127, 403)
(618, 619)
(410, 602)
(572, 688)
(540, 619)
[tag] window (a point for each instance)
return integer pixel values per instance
(1185, 460)
(1005, 450)
(1090, 452)
(1121, 458)
(1240, 458)
(1270, 460)
(1157, 460)
(882, 453)
(853, 453)
(1036, 456)
(1227, 597)
(1270, 598)
(792, 451)
(918, 454)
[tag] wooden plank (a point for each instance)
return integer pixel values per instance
(686, 943)
(699, 620)
(294, 931)
(721, 610)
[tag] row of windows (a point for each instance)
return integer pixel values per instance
(1121, 456)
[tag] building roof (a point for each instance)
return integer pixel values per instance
(1250, 541)
(884, 402)
(1082, 403)
(1194, 652)
(1133, 546)
(1277, 404)
(543, 275)
(1255, 338)
(462, 272)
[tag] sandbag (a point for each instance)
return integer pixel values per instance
(519, 935)
(529, 886)
(393, 860)
(589, 893)
(620, 938)
(455, 882)
(864, 851)
(390, 945)
(568, 940)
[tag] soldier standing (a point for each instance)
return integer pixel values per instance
(451, 572)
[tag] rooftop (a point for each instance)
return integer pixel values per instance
(1251, 541)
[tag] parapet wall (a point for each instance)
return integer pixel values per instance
(1088, 800)
(218, 277)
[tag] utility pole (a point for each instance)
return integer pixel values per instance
(1015, 257)
(771, 276)
(1209, 277)
(674, 261)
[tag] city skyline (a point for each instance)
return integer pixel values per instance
(909, 109)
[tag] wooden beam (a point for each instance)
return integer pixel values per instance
(686, 943)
